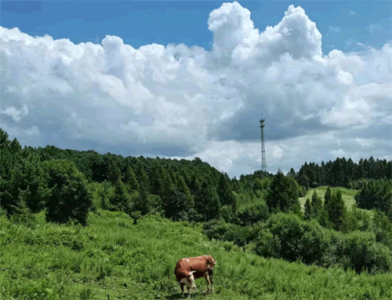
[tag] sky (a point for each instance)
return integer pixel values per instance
(183, 79)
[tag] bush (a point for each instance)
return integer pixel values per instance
(365, 254)
(267, 244)
(253, 213)
(220, 230)
(286, 236)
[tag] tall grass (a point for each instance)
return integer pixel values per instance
(113, 256)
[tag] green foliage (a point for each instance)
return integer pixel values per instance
(382, 228)
(130, 180)
(336, 209)
(239, 235)
(114, 173)
(376, 194)
(183, 188)
(176, 205)
(308, 210)
(254, 212)
(26, 183)
(207, 203)
(283, 194)
(142, 177)
(294, 239)
(69, 196)
(317, 203)
(113, 256)
(121, 199)
(356, 220)
(31, 179)
(327, 198)
(224, 191)
(141, 202)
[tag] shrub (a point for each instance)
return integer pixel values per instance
(253, 213)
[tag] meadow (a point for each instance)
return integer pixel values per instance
(347, 195)
(113, 256)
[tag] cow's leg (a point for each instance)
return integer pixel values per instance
(189, 292)
(207, 277)
(182, 288)
(212, 282)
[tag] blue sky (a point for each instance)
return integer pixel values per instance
(342, 24)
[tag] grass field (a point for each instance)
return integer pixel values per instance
(113, 256)
(347, 194)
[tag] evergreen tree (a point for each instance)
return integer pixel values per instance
(69, 197)
(120, 200)
(283, 194)
(207, 202)
(26, 183)
(142, 177)
(114, 172)
(183, 188)
(175, 205)
(316, 203)
(291, 173)
(224, 191)
(130, 180)
(308, 210)
(303, 180)
(336, 209)
(327, 198)
(142, 203)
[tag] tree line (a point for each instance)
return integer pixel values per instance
(252, 211)
(342, 172)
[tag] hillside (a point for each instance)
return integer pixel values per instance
(347, 195)
(113, 256)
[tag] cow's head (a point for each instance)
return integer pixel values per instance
(211, 262)
(190, 282)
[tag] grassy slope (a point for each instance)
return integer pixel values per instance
(347, 194)
(46, 261)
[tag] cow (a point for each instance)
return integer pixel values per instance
(191, 268)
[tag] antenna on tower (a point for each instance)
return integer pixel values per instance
(263, 161)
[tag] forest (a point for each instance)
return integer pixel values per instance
(258, 214)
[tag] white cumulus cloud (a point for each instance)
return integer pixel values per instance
(179, 101)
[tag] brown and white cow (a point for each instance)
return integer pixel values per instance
(191, 268)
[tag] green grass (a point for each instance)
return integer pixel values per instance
(113, 256)
(347, 195)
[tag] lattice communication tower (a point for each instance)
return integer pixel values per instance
(263, 160)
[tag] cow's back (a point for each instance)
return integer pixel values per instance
(198, 264)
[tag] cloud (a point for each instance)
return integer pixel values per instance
(352, 13)
(179, 101)
(335, 29)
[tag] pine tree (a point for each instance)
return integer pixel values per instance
(142, 203)
(183, 188)
(69, 196)
(291, 173)
(308, 210)
(142, 177)
(224, 191)
(316, 203)
(283, 194)
(336, 209)
(130, 180)
(120, 199)
(207, 202)
(327, 198)
(114, 172)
